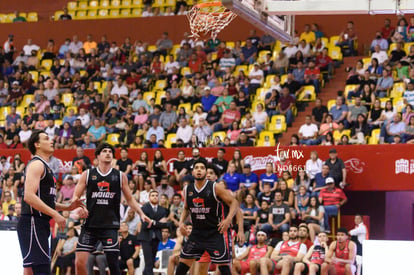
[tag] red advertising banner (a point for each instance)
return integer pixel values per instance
(369, 167)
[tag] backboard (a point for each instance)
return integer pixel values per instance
(281, 27)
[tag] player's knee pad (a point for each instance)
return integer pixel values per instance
(41, 269)
(224, 270)
(113, 262)
(182, 269)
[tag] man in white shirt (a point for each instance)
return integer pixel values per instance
(75, 45)
(359, 233)
(285, 254)
(409, 93)
(227, 61)
(308, 132)
(290, 50)
(256, 77)
(380, 55)
(120, 89)
(184, 131)
(24, 133)
(171, 64)
(29, 47)
(84, 117)
(52, 130)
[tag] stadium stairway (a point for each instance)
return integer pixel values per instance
(328, 92)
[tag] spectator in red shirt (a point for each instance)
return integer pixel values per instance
(286, 102)
(387, 31)
(312, 75)
(195, 64)
(228, 117)
(324, 62)
(332, 198)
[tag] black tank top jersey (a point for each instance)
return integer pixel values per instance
(205, 209)
(46, 192)
(103, 198)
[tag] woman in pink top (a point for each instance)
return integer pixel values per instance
(234, 132)
(141, 117)
(328, 126)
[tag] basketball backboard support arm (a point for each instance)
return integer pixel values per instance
(280, 27)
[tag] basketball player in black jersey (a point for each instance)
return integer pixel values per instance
(103, 186)
(39, 206)
(210, 233)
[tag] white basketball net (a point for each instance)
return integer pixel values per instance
(209, 19)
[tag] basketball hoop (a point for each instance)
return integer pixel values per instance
(209, 19)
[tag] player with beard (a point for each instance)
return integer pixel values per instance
(285, 254)
(103, 186)
(340, 258)
(203, 199)
(314, 259)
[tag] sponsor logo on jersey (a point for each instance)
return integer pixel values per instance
(129, 242)
(216, 253)
(190, 193)
(198, 202)
(94, 177)
(103, 186)
(109, 241)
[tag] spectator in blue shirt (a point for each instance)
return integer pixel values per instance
(319, 182)
(156, 130)
(97, 132)
(165, 243)
(339, 111)
(207, 100)
(249, 210)
(395, 128)
(249, 51)
(269, 177)
(248, 180)
(232, 178)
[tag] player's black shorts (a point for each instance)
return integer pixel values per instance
(306, 270)
(218, 246)
(33, 234)
(90, 236)
(123, 265)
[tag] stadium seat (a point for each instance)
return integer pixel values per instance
(104, 4)
(158, 3)
(265, 142)
(230, 45)
(126, 4)
(337, 135)
(266, 135)
(45, 74)
(137, 4)
(392, 47)
(125, 13)
(243, 68)
(136, 12)
(185, 71)
(333, 40)
(170, 3)
(94, 5)
(81, 15)
(160, 84)
(262, 55)
(148, 95)
(103, 13)
(32, 17)
(2, 124)
(398, 90)
(171, 139)
(21, 111)
(278, 46)
(221, 134)
(384, 101)
(83, 5)
(186, 106)
(92, 14)
(35, 75)
(27, 99)
(116, 4)
(255, 103)
(46, 64)
(375, 136)
(4, 111)
(277, 124)
(74, 108)
(335, 53)
(325, 41)
(398, 104)
(195, 105)
(283, 79)
(58, 122)
(72, 5)
(159, 97)
(330, 104)
(308, 94)
(349, 88)
(9, 17)
(67, 99)
(407, 47)
(152, 48)
(113, 139)
(367, 62)
(261, 94)
(114, 13)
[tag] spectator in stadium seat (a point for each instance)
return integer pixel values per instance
(202, 130)
(227, 118)
(286, 102)
(279, 216)
(379, 41)
(65, 15)
(75, 45)
(184, 131)
(308, 35)
(3, 93)
(87, 144)
(97, 132)
(308, 132)
(355, 110)
(384, 84)
(294, 86)
(232, 178)
(387, 31)
(207, 100)
(256, 77)
(78, 132)
(155, 129)
(380, 54)
(336, 168)
(397, 54)
(15, 94)
(249, 180)
(164, 44)
(281, 63)
(311, 75)
(347, 38)
(271, 100)
(260, 117)
(332, 198)
(305, 49)
(249, 51)
(319, 112)
(393, 128)
(84, 117)
(13, 117)
(339, 111)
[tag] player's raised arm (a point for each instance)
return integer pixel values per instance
(228, 199)
(131, 200)
(34, 173)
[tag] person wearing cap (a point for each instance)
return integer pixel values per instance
(341, 255)
(248, 261)
(207, 100)
(15, 94)
(248, 180)
(332, 198)
(336, 168)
